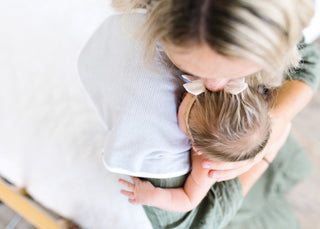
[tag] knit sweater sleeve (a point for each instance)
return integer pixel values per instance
(309, 70)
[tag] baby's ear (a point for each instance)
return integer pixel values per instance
(196, 151)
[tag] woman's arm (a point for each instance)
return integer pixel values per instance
(290, 99)
(175, 199)
(249, 178)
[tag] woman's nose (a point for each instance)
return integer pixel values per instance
(215, 85)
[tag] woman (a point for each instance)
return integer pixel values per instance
(221, 41)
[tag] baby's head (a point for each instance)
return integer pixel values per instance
(226, 127)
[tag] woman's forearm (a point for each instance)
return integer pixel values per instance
(290, 99)
(248, 178)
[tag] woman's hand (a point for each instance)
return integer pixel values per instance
(228, 170)
(141, 192)
(221, 171)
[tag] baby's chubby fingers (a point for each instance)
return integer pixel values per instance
(128, 184)
(127, 193)
(135, 179)
(133, 201)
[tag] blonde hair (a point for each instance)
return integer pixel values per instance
(229, 127)
(266, 32)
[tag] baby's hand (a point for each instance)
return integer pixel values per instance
(142, 191)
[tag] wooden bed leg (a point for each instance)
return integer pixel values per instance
(16, 198)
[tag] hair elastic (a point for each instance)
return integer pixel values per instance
(266, 160)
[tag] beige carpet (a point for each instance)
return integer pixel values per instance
(305, 197)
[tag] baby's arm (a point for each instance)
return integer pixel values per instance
(174, 199)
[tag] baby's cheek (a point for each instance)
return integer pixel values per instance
(182, 126)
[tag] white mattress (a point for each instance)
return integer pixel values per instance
(50, 135)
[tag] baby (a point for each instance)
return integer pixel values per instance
(221, 127)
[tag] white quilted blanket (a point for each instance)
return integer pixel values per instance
(50, 135)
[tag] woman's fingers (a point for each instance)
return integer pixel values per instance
(220, 165)
(127, 184)
(222, 175)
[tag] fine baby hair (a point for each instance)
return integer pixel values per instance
(227, 127)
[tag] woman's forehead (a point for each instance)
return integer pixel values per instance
(203, 62)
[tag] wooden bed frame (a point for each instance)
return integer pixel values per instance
(19, 200)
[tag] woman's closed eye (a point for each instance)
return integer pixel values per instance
(189, 78)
